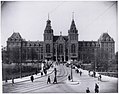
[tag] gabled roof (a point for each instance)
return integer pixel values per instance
(55, 38)
(15, 35)
(105, 37)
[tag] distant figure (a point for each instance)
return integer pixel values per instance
(89, 72)
(32, 78)
(94, 74)
(55, 80)
(77, 71)
(80, 72)
(55, 71)
(69, 78)
(87, 90)
(12, 80)
(45, 71)
(100, 77)
(41, 73)
(96, 88)
(48, 81)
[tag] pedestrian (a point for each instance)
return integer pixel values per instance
(80, 72)
(89, 72)
(87, 90)
(41, 73)
(55, 80)
(100, 77)
(45, 71)
(69, 78)
(12, 80)
(96, 88)
(55, 71)
(32, 78)
(48, 80)
(94, 73)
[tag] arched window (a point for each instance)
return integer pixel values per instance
(47, 48)
(73, 48)
(60, 48)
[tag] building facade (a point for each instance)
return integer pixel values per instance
(59, 48)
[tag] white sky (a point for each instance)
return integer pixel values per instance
(29, 19)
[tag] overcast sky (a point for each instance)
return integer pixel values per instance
(29, 19)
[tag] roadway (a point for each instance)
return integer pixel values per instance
(79, 84)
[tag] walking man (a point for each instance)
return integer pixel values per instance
(96, 88)
(32, 78)
(69, 78)
(55, 80)
(100, 77)
(80, 72)
(41, 73)
(12, 80)
(48, 81)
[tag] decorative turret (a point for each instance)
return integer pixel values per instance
(105, 38)
(48, 28)
(107, 45)
(15, 37)
(73, 41)
(48, 40)
(73, 26)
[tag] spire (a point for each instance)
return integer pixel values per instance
(48, 16)
(60, 33)
(73, 26)
(72, 15)
(48, 28)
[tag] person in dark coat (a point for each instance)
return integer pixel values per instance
(55, 71)
(32, 78)
(87, 90)
(48, 81)
(94, 73)
(80, 73)
(69, 78)
(41, 73)
(100, 77)
(12, 80)
(96, 88)
(55, 80)
(89, 72)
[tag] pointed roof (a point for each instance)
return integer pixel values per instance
(48, 28)
(15, 35)
(105, 37)
(55, 38)
(73, 27)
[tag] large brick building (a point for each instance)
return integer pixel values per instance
(59, 48)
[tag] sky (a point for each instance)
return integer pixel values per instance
(92, 18)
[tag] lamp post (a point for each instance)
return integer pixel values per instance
(95, 60)
(71, 70)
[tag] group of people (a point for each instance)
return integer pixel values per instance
(49, 80)
(96, 89)
(94, 75)
(77, 71)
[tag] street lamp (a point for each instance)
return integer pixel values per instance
(70, 62)
(95, 59)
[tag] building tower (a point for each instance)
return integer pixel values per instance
(107, 46)
(14, 46)
(73, 41)
(48, 41)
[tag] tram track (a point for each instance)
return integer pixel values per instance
(30, 87)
